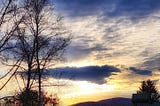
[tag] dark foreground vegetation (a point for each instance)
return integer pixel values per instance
(32, 96)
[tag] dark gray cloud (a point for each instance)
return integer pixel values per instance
(152, 62)
(79, 7)
(94, 74)
(111, 8)
(140, 72)
(136, 8)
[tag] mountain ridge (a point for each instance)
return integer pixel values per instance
(119, 101)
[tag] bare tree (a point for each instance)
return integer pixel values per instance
(39, 42)
(9, 22)
(8, 9)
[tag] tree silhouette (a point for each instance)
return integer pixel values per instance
(149, 87)
(39, 42)
(10, 19)
(32, 96)
(35, 42)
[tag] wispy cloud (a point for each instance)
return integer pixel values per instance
(113, 31)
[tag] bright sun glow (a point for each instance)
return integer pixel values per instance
(84, 91)
(85, 87)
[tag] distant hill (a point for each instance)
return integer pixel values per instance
(108, 102)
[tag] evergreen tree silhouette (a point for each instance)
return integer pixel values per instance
(149, 87)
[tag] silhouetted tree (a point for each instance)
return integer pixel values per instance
(36, 40)
(9, 22)
(39, 42)
(149, 87)
(8, 15)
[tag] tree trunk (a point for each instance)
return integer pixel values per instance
(28, 85)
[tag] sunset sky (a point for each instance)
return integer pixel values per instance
(115, 46)
(122, 33)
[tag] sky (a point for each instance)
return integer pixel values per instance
(115, 46)
(119, 32)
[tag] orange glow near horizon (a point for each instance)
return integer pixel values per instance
(79, 91)
(74, 91)
(84, 91)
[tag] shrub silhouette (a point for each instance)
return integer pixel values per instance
(32, 98)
